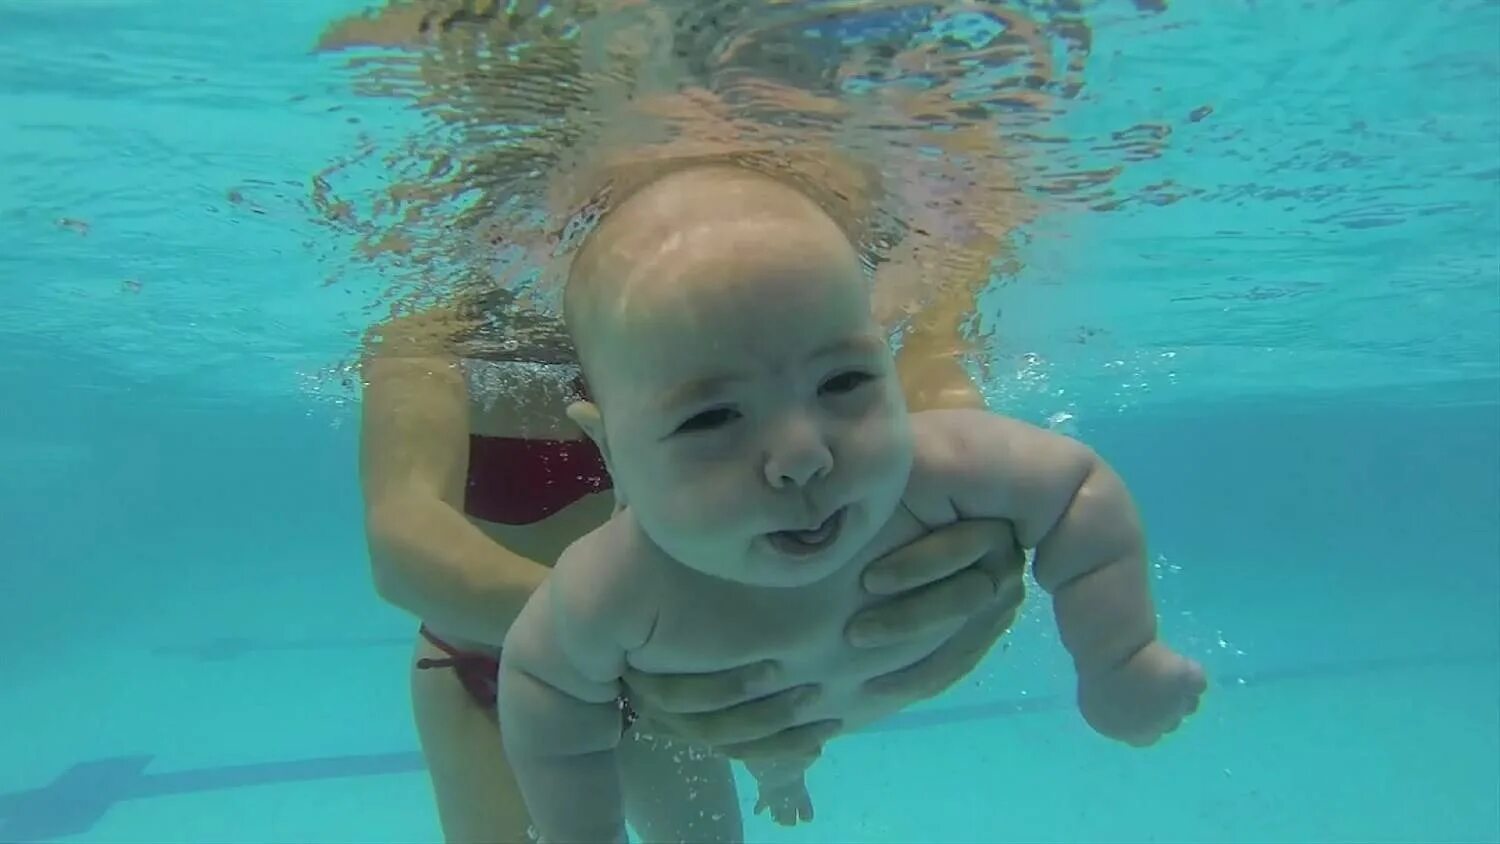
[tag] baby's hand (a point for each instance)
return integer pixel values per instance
(783, 788)
(1145, 698)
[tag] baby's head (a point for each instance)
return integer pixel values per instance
(742, 392)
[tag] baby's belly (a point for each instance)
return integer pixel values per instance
(807, 652)
(706, 626)
(843, 672)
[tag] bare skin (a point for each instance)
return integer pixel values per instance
(468, 579)
(752, 419)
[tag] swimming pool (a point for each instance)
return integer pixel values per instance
(1279, 318)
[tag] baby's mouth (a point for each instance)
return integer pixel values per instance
(803, 543)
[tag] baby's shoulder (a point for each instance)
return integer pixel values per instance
(957, 441)
(608, 575)
(939, 440)
(937, 463)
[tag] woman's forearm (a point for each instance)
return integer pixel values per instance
(937, 381)
(432, 562)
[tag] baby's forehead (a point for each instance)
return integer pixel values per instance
(663, 327)
(707, 197)
(680, 243)
(653, 261)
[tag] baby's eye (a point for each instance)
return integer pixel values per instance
(708, 420)
(845, 382)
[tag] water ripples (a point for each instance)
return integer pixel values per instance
(1272, 193)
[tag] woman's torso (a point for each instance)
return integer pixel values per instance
(520, 409)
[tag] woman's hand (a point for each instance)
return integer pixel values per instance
(737, 712)
(970, 571)
(966, 571)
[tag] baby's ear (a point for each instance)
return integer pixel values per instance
(586, 415)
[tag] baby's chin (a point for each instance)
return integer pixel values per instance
(779, 574)
(769, 567)
(758, 566)
(772, 561)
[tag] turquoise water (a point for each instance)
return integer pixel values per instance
(1282, 326)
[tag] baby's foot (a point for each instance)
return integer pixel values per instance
(1143, 699)
(783, 787)
(788, 802)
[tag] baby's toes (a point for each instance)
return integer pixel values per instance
(1192, 680)
(1190, 705)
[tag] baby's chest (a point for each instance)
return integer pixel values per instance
(709, 628)
(706, 626)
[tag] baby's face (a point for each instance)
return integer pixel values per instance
(751, 409)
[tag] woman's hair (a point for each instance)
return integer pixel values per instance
(547, 123)
(841, 188)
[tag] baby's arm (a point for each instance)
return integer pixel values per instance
(559, 680)
(1067, 504)
(1090, 556)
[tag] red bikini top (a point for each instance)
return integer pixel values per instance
(515, 481)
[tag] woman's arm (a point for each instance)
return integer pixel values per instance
(425, 556)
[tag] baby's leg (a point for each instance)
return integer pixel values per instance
(677, 792)
(478, 799)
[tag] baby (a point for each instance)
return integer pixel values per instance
(745, 401)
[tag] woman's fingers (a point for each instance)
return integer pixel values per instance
(923, 611)
(935, 556)
(690, 693)
(802, 739)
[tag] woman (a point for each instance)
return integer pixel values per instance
(475, 482)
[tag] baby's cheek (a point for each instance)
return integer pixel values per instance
(880, 448)
(708, 500)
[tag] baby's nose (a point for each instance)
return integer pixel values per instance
(798, 459)
(796, 473)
